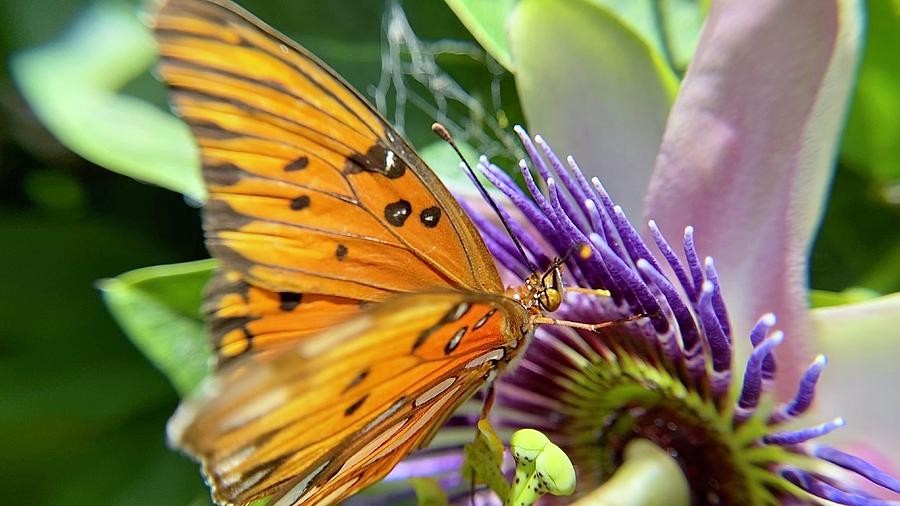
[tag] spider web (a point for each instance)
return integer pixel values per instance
(411, 78)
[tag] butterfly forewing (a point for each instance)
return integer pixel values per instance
(319, 420)
(309, 189)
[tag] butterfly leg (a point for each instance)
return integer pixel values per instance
(592, 327)
(488, 401)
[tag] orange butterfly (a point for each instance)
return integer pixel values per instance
(317, 207)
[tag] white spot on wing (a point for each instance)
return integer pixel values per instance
(434, 391)
(336, 336)
(255, 408)
(244, 483)
(491, 355)
(235, 459)
(454, 341)
(338, 492)
(187, 411)
(416, 428)
(372, 445)
(481, 321)
(458, 312)
(389, 160)
(384, 416)
(297, 490)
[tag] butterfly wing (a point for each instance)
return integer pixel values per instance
(310, 190)
(242, 316)
(312, 195)
(333, 413)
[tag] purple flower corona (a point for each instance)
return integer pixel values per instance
(671, 377)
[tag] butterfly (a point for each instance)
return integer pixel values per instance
(356, 305)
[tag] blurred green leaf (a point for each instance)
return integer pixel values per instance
(870, 139)
(429, 492)
(823, 298)
(857, 216)
(484, 460)
(681, 22)
(71, 84)
(486, 20)
(159, 309)
(55, 190)
(594, 90)
(670, 28)
(445, 163)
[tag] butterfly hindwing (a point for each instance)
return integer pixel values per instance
(319, 420)
(310, 190)
(244, 318)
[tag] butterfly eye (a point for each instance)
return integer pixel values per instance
(551, 294)
(550, 299)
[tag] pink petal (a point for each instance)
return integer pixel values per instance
(860, 382)
(749, 148)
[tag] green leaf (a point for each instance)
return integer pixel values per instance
(484, 459)
(824, 298)
(870, 138)
(72, 85)
(486, 20)
(159, 309)
(681, 21)
(429, 492)
(594, 89)
(445, 163)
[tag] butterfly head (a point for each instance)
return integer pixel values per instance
(550, 290)
(544, 290)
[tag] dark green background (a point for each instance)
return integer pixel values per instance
(82, 412)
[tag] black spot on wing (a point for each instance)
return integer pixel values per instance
(396, 213)
(340, 252)
(430, 217)
(300, 203)
(357, 380)
(356, 405)
(379, 160)
(424, 336)
(298, 164)
(289, 300)
(455, 313)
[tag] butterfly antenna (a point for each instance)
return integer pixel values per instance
(583, 250)
(444, 134)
